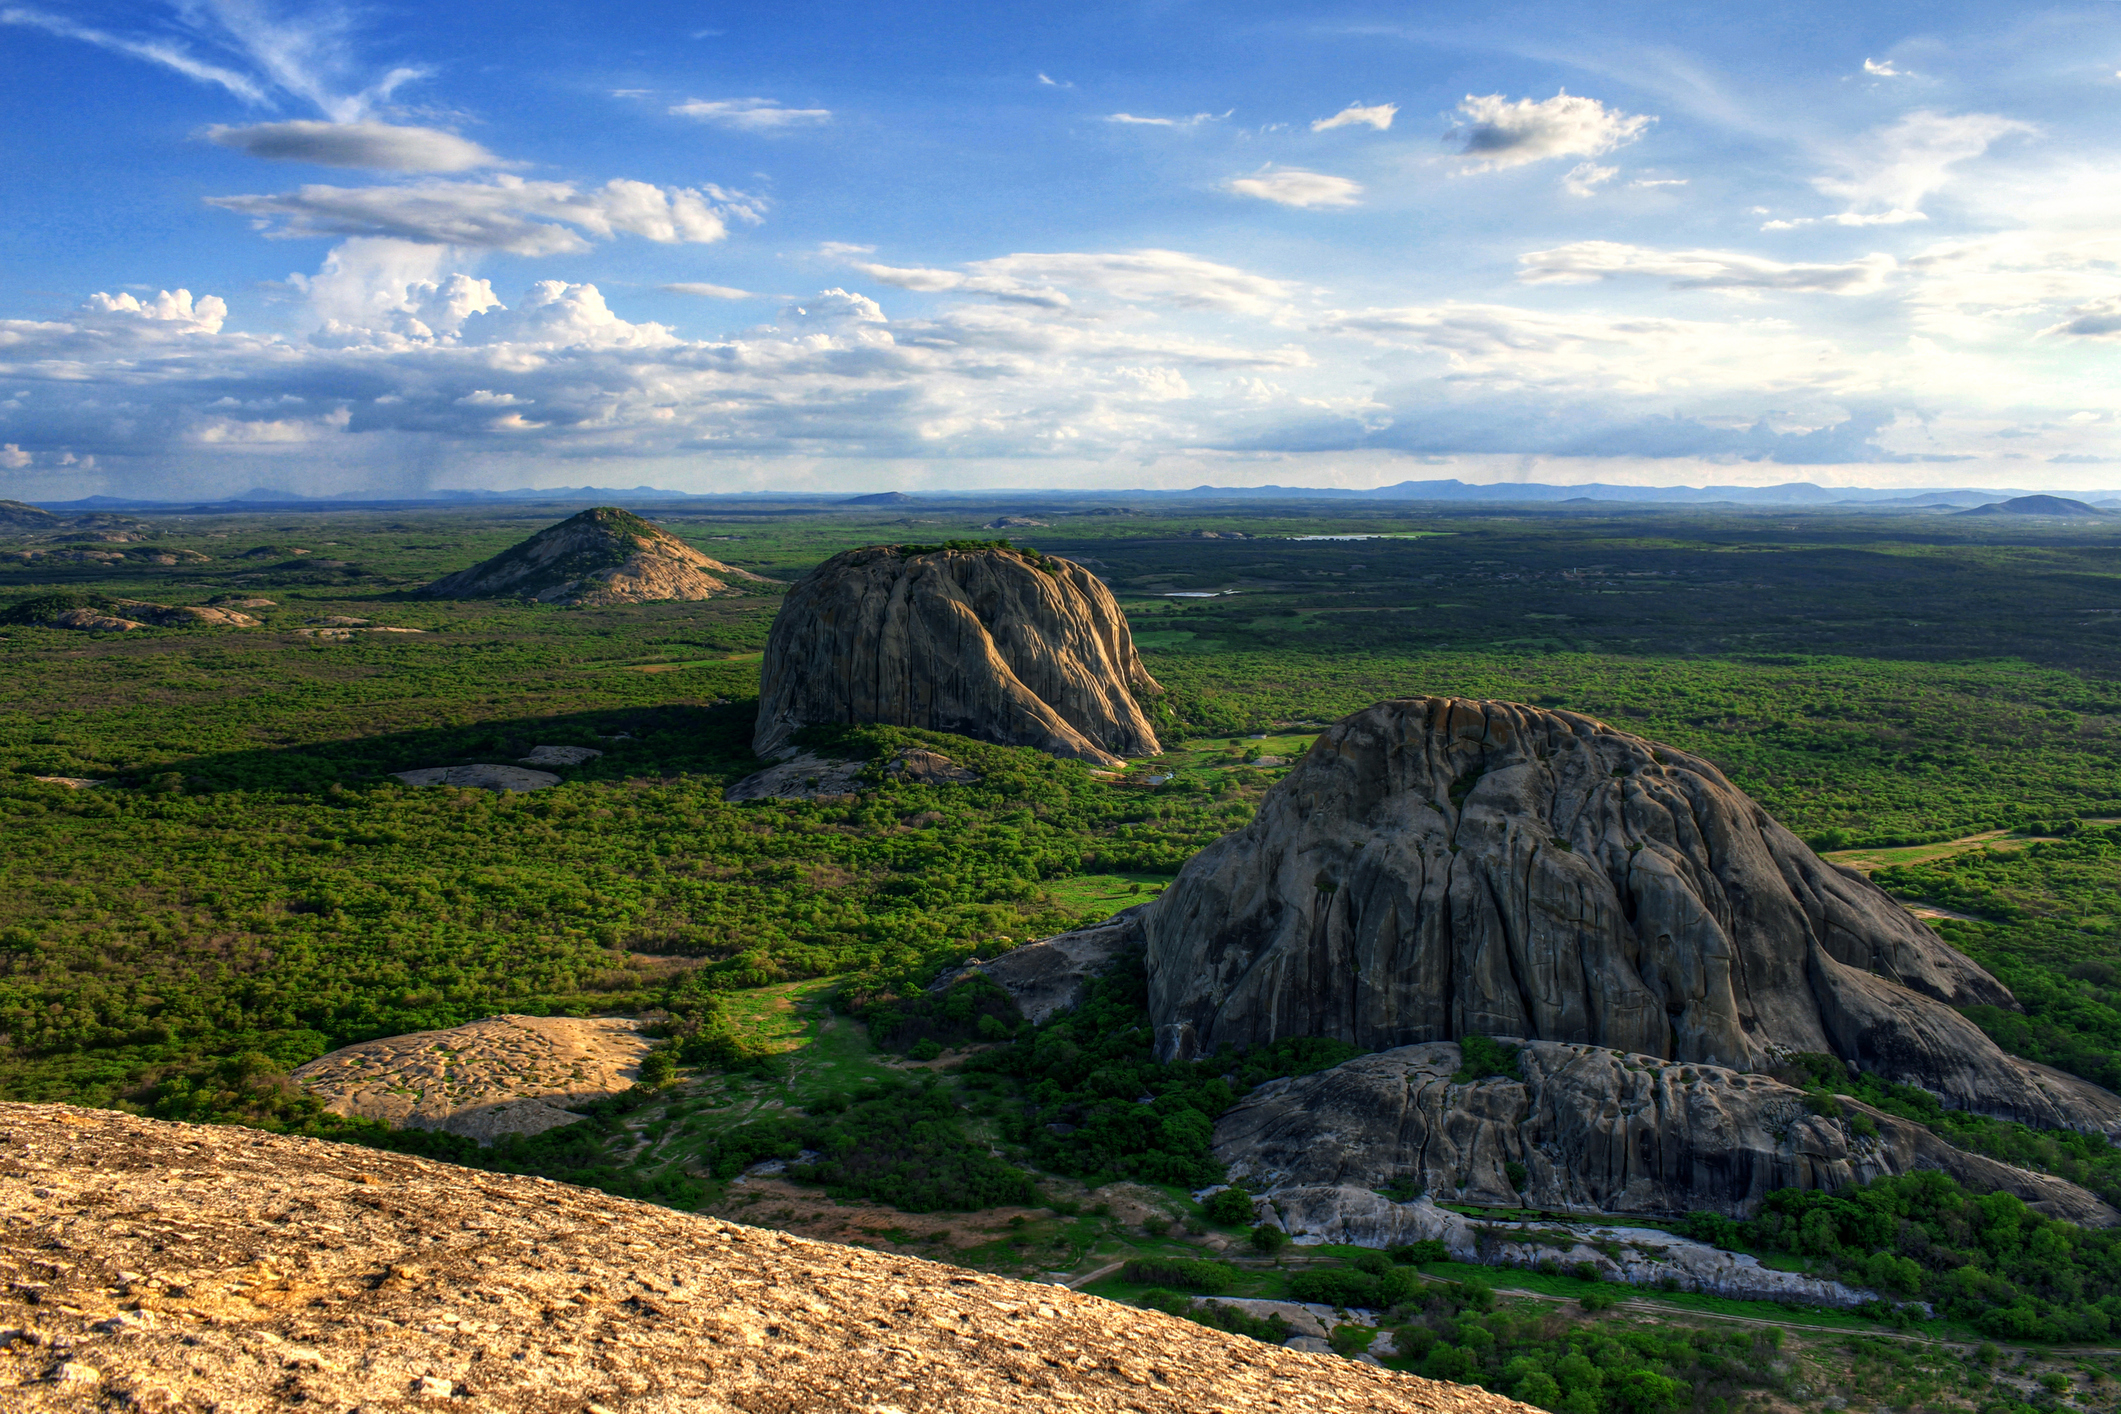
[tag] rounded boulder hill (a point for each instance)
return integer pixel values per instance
(1443, 867)
(602, 556)
(157, 1266)
(988, 642)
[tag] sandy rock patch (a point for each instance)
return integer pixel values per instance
(504, 1075)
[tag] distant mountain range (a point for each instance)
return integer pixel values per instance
(1793, 493)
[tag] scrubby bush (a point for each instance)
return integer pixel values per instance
(1188, 1274)
(1231, 1207)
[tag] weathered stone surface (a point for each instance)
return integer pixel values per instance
(928, 768)
(559, 755)
(602, 556)
(1048, 976)
(807, 776)
(1639, 1256)
(988, 643)
(1596, 1132)
(483, 775)
(502, 1075)
(211, 1267)
(1442, 867)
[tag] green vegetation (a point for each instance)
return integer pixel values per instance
(253, 887)
(1990, 1260)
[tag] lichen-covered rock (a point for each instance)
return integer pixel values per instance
(215, 1267)
(1594, 1131)
(1441, 867)
(991, 643)
(602, 556)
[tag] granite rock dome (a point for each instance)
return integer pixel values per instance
(602, 556)
(985, 641)
(1442, 867)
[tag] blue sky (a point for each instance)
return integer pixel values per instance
(819, 247)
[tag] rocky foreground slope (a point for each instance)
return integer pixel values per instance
(1442, 867)
(158, 1266)
(986, 642)
(602, 556)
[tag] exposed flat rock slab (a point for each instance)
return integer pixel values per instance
(484, 776)
(928, 768)
(345, 635)
(559, 755)
(808, 776)
(503, 1075)
(1048, 976)
(278, 1270)
(802, 777)
(70, 782)
(1638, 1256)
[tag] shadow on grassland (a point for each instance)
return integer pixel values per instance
(712, 739)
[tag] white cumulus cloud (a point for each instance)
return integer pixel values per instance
(376, 146)
(1586, 177)
(750, 114)
(1496, 133)
(1293, 186)
(1378, 116)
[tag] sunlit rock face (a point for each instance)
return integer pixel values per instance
(993, 643)
(1443, 867)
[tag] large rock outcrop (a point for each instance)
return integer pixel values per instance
(1595, 1132)
(1442, 867)
(154, 1266)
(602, 556)
(987, 642)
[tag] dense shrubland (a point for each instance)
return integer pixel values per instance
(1987, 1259)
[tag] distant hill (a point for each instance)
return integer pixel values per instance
(880, 498)
(602, 556)
(2036, 506)
(15, 515)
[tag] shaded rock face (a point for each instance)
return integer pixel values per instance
(1596, 1132)
(1442, 867)
(602, 556)
(988, 643)
(1049, 976)
(493, 1291)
